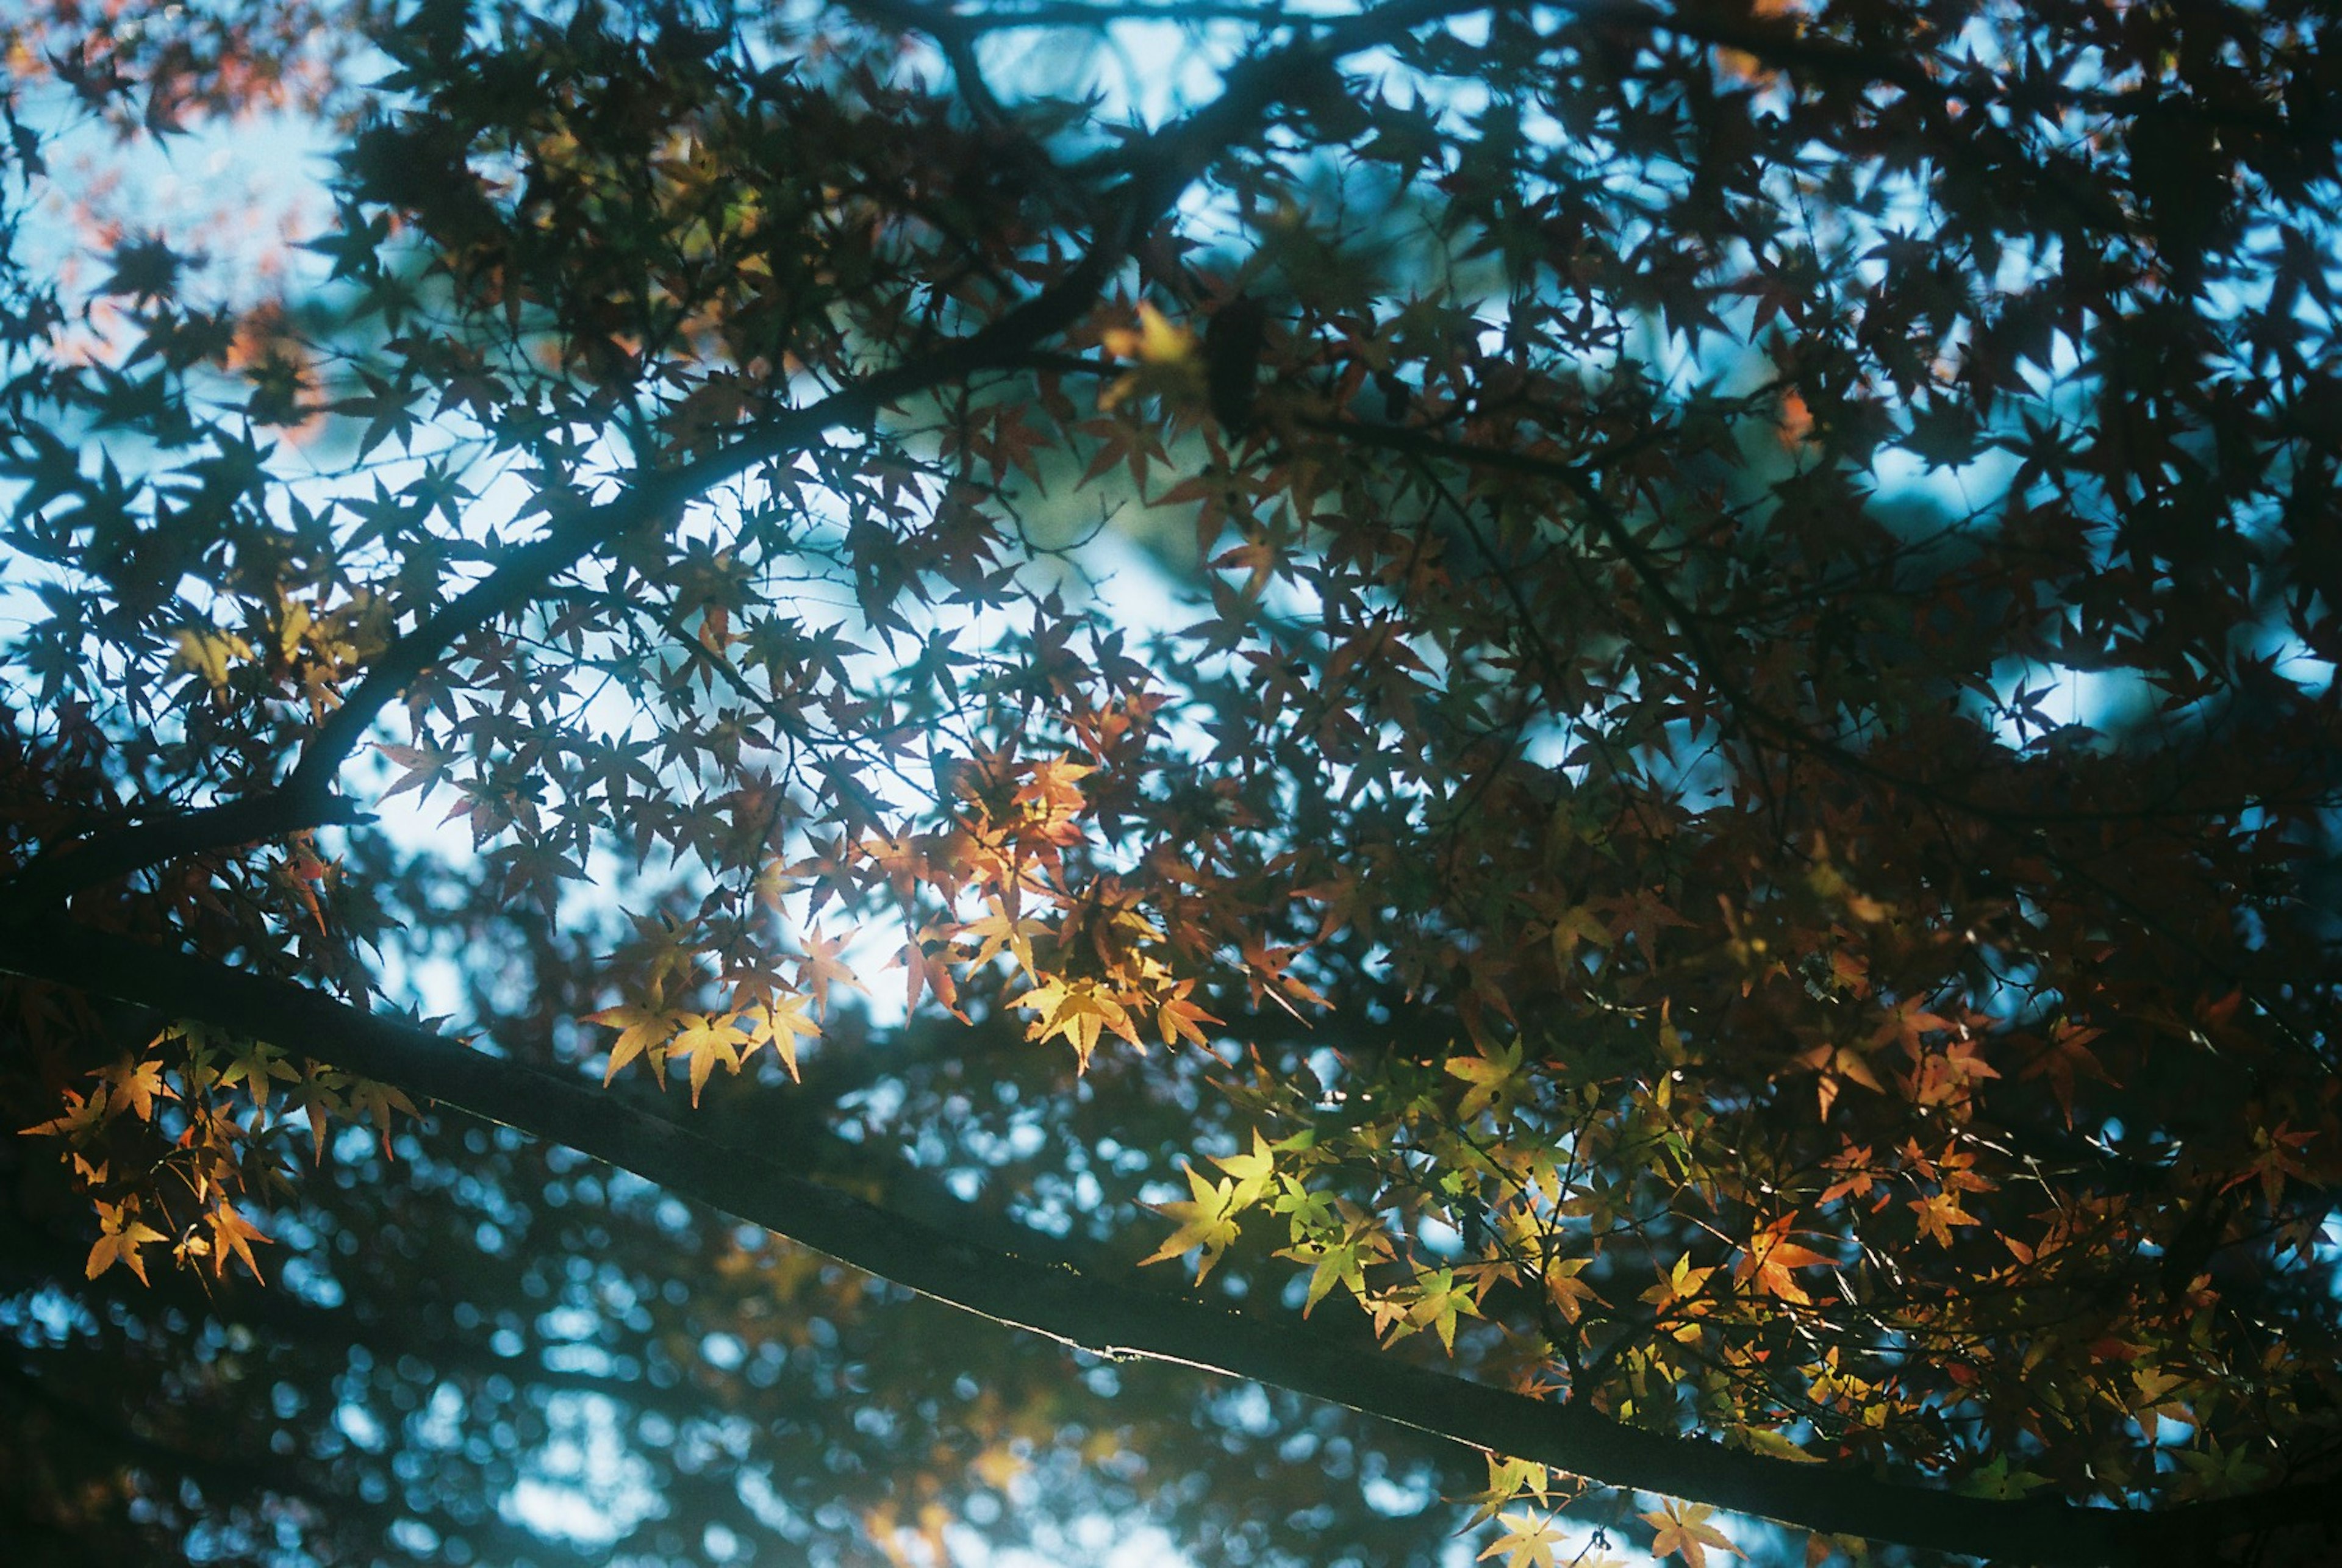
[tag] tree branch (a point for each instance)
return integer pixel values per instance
(1118, 1320)
(1157, 169)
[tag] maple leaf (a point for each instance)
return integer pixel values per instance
(1166, 355)
(120, 1238)
(1578, 923)
(1774, 1445)
(1261, 557)
(1253, 1171)
(820, 968)
(2069, 1056)
(231, 1237)
(2002, 1479)
(1263, 964)
(1494, 1078)
(135, 1085)
(83, 1115)
(1938, 1211)
(1342, 1261)
(2215, 1472)
(1569, 1292)
(1313, 1212)
(1684, 1528)
(1081, 1012)
(2276, 1156)
(318, 1097)
(259, 1068)
(1838, 1065)
(1529, 1541)
(1508, 1479)
(1858, 1177)
(1002, 932)
(1769, 1258)
(1439, 1299)
(926, 961)
(1051, 799)
(780, 1022)
(641, 1029)
(1683, 1282)
(376, 1102)
(707, 1043)
(1388, 1311)
(1208, 1220)
(206, 652)
(1177, 1017)
(1909, 1023)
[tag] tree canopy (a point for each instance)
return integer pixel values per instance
(1561, 771)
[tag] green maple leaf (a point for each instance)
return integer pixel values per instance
(1439, 1303)
(1493, 1077)
(1341, 1262)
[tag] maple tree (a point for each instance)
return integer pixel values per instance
(1615, 720)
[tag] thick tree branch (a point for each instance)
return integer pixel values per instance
(1156, 170)
(1123, 1320)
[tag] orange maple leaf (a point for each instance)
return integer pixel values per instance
(1770, 1257)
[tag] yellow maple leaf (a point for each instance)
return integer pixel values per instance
(780, 1022)
(707, 1043)
(119, 1241)
(1207, 1221)
(1569, 1292)
(1177, 1017)
(136, 1086)
(1939, 1213)
(1677, 1295)
(821, 967)
(81, 1117)
(1081, 1012)
(1157, 341)
(1684, 1528)
(1253, 1171)
(1001, 932)
(1508, 1481)
(1491, 1075)
(1769, 1257)
(640, 1029)
(1529, 1541)
(206, 653)
(258, 1066)
(1339, 1262)
(232, 1236)
(1166, 354)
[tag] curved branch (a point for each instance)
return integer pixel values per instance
(1156, 170)
(1110, 1318)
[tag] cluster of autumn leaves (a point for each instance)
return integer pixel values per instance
(1764, 1037)
(169, 1140)
(1104, 973)
(1536, 1536)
